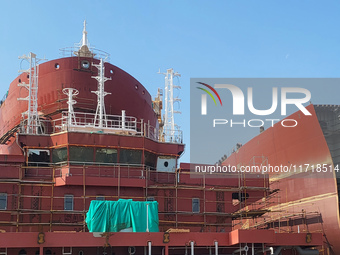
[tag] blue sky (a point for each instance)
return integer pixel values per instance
(197, 38)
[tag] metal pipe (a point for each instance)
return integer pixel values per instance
(123, 119)
(148, 128)
(149, 244)
(216, 248)
(306, 251)
(192, 247)
(252, 249)
(147, 218)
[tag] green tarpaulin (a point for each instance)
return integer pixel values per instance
(114, 216)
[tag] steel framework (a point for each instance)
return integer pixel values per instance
(169, 120)
(31, 122)
(100, 116)
(70, 92)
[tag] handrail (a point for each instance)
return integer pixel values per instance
(114, 124)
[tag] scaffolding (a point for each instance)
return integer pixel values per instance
(270, 212)
(36, 198)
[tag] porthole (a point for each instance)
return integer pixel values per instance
(28, 76)
(166, 163)
(85, 64)
(143, 92)
(111, 71)
(136, 86)
(56, 66)
(19, 80)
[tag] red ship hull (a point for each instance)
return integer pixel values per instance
(299, 193)
(126, 93)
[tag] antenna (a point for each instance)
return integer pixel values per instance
(31, 116)
(83, 46)
(84, 40)
(100, 112)
(169, 121)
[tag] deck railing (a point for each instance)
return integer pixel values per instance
(114, 124)
(94, 169)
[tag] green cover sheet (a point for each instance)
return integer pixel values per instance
(114, 216)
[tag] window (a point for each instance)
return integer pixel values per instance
(195, 205)
(100, 198)
(22, 252)
(38, 157)
(150, 159)
(68, 202)
(104, 155)
(59, 155)
(130, 156)
(81, 154)
(150, 199)
(3, 201)
(240, 196)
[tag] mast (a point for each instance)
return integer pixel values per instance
(71, 93)
(169, 120)
(100, 116)
(83, 46)
(84, 40)
(31, 123)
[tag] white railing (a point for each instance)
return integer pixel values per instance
(80, 121)
(117, 124)
(70, 52)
